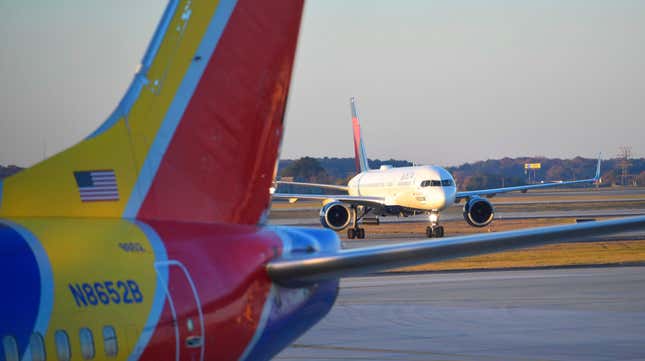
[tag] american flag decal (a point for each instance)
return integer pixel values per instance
(97, 185)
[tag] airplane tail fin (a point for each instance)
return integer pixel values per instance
(196, 135)
(359, 146)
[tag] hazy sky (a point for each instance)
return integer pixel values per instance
(439, 82)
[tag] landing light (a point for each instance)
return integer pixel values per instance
(434, 217)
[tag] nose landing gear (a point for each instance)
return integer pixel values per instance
(434, 229)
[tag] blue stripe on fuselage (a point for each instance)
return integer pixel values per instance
(20, 282)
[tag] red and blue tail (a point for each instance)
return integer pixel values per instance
(359, 147)
(197, 134)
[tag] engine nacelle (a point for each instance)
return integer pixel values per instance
(335, 215)
(478, 212)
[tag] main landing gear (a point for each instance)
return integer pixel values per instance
(434, 229)
(355, 231)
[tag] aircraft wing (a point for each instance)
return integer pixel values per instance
(357, 200)
(315, 185)
(491, 192)
(309, 268)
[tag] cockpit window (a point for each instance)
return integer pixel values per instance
(437, 183)
(431, 183)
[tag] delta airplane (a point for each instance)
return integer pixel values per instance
(403, 191)
(146, 240)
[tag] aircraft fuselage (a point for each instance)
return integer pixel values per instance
(159, 290)
(429, 188)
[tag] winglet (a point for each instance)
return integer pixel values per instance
(359, 146)
(597, 176)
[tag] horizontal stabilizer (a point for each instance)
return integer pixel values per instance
(298, 270)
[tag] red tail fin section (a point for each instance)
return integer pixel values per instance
(220, 161)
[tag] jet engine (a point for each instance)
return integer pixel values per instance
(478, 212)
(335, 215)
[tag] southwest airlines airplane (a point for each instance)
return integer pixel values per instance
(145, 241)
(403, 191)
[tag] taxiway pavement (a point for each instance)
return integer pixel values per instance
(554, 314)
(584, 213)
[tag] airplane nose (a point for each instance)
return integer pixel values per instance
(440, 197)
(448, 196)
(441, 203)
(437, 198)
(450, 193)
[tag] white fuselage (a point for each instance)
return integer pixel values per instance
(428, 188)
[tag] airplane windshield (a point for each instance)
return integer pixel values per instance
(437, 183)
(431, 183)
(447, 183)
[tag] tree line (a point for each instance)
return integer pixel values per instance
(492, 173)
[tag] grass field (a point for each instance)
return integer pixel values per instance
(556, 255)
(620, 251)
